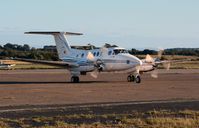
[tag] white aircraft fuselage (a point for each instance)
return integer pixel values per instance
(115, 59)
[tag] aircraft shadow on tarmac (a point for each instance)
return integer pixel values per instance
(51, 82)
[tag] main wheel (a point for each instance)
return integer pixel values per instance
(75, 79)
(129, 78)
(138, 79)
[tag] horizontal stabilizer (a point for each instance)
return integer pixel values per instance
(52, 33)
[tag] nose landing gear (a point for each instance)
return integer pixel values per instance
(134, 78)
(131, 78)
(138, 79)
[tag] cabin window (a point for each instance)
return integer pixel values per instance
(94, 53)
(109, 53)
(98, 53)
(82, 55)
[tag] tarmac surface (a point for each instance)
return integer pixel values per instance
(51, 87)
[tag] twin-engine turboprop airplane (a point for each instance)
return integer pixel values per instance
(6, 66)
(79, 62)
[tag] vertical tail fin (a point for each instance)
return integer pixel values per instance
(62, 45)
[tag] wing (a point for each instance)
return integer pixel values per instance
(170, 61)
(53, 63)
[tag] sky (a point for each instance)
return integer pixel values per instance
(128, 23)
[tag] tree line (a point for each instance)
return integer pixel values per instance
(50, 53)
(171, 51)
(25, 51)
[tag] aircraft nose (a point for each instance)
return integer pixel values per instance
(139, 61)
(136, 61)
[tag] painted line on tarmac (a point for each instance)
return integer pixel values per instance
(35, 108)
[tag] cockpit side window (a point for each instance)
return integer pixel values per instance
(125, 51)
(117, 51)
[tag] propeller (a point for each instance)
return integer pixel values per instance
(166, 65)
(154, 73)
(91, 57)
(98, 63)
(156, 61)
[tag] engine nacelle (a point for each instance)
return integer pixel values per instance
(146, 67)
(99, 65)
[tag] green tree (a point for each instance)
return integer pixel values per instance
(26, 47)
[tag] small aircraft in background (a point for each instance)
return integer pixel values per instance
(6, 66)
(96, 60)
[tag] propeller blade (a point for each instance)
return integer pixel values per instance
(149, 59)
(94, 73)
(104, 51)
(167, 66)
(154, 74)
(160, 52)
(90, 56)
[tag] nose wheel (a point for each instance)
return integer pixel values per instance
(131, 78)
(138, 79)
(74, 79)
(134, 78)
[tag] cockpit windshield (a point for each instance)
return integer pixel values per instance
(117, 51)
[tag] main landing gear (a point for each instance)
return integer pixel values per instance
(75, 79)
(134, 78)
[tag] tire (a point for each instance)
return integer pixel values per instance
(130, 78)
(138, 79)
(75, 79)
